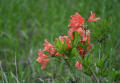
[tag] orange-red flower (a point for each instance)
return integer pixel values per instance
(76, 21)
(49, 47)
(92, 17)
(79, 65)
(84, 45)
(59, 54)
(83, 51)
(66, 40)
(42, 58)
(83, 33)
(70, 32)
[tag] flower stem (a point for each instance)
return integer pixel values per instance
(72, 72)
(93, 77)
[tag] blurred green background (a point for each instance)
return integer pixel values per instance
(24, 24)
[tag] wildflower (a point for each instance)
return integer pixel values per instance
(49, 47)
(81, 32)
(89, 46)
(79, 65)
(65, 40)
(64, 46)
(92, 17)
(88, 36)
(76, 21)
(42, 58)
(59, 54)
(70, 33)
(68, 42)
(61, 38)
(82, 52)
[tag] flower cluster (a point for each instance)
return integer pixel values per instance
(65, 44)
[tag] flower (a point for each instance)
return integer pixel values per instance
(64, 47)
(65, 40)
(92, 17)
(88, 36)
(76, 21)
(79, 65)
(49, 47)
(83, 51)
(70, 32)
(59, 54)
(42, 58)
(89, 46)
(83, 33)
(61, 38)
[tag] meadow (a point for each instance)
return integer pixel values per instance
(25, 24)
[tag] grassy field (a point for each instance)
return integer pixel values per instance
(24, 25)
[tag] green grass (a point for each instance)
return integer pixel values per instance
(24, 25)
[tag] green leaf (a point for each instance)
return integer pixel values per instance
(100, 62)
(90, 59)
(105, 73)
(115, 75)
(73, 52)
(58, 44)
(76, 39)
